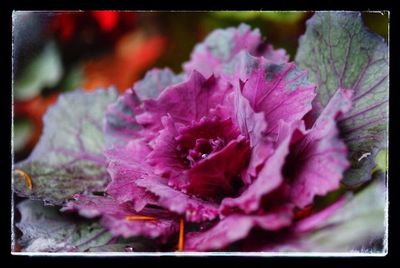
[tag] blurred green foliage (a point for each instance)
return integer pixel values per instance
(276, 16)
(22, 133)
(72, 79)
(45, 70)
(381, 160)
(377, 22)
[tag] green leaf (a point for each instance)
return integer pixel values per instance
(23, 130)
(381, 161)
(275, 16)
(68, 157)
(136, 244)
(45, 70)
(359, 225)
(360, 222)
(113, 248)
(72, 79)
(339, 52)
(44, 229)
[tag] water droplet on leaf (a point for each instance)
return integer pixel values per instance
(128, 248)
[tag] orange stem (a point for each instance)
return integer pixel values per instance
(27, 178)
(140, 218)
(181, 234)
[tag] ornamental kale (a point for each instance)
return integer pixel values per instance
(234, 154)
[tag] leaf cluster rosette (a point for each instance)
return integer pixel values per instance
(238, 147)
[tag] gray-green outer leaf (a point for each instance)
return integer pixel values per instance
(44, 229)
(68, 157)
(340, 52)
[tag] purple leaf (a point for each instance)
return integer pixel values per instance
(214, 176)
(236, 227)
(184, 102)
(165, 156)
(281, 91)
(192, 208)
(253, 126)
(119, 218)
(125, 166)
(221, 46)
(268, 179)
(120, 124)
(310, 162)
(317, 161)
